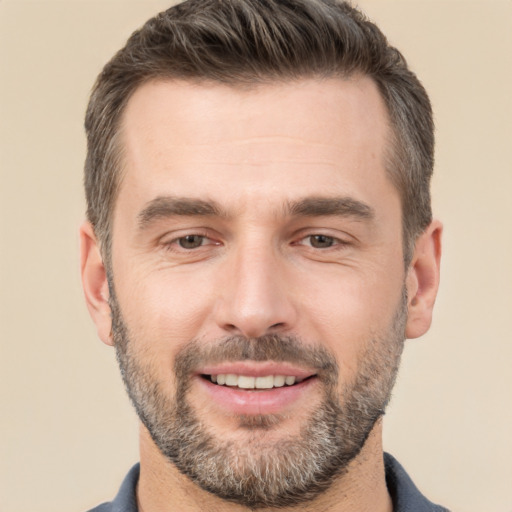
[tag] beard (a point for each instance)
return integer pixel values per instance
(261, 472)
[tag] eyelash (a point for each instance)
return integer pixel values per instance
(175, 245)
(334, 241)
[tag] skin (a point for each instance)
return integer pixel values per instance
(253, 152)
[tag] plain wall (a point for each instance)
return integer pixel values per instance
(67, 432)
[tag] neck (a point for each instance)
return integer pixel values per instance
(362, 488)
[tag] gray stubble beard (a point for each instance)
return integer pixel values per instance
(263, 474)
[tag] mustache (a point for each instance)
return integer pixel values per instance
(271, 347)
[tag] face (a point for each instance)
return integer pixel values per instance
(257, 280)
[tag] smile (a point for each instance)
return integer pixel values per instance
(249, 388)
(251, 382)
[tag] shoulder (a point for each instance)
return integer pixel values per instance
(126, 499)
(405, 495)
(105, 507)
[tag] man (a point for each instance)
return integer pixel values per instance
(259, 244)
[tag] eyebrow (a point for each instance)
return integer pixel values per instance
(163, 207)
(331, 206)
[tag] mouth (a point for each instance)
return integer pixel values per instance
(248, 387)
(250, 382)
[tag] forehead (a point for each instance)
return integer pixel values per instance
(269, 139)
(281, 107)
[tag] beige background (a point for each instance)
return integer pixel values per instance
(67, 432)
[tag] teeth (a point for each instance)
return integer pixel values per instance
(279, 381)
(248, 382)
(231, 380)
(264, 382)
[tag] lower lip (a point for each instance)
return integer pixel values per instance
(256, 402)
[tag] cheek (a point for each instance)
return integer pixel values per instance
(161, 318)
(164, 309)
(349, 309)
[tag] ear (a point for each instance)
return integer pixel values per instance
(94, 282)
(423, 280)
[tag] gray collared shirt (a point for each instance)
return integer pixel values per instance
(405, 495)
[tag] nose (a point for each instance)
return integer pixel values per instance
(256, 298)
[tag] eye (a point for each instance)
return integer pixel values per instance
(321, 241)
(191, 241)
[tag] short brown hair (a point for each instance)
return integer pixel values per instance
(241, 42)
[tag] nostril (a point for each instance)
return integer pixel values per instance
(254, 331)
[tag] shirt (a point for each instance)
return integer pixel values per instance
(405, 495)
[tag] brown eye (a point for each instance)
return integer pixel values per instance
(321, 241)
(191, 241)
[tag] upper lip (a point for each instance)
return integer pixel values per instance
(257, 369)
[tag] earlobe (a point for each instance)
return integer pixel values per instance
(94, 282)
(423, 280)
